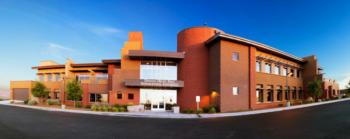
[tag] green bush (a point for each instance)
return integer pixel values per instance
(122, 109)
(26, 101)
(78, 105)
(53, 102)
(105, 108)
(94, 107)
(32, 102)
(199, 111)
(212, 110)
(115, 109)
(88, 106)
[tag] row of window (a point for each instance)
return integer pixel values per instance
(94, 97)
(87, 77)
(50, 77)
(277, 70)
(269, 93)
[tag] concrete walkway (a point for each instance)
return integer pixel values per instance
(173, 115)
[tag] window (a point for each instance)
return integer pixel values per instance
(57, 94)
(292, 73)
(286, 93)
(130, 96)
(258, 66)
(298, 73)
(279, 93)
(294, 93)
(58, 77)
(119, 96)
(259, 94)
(235, 56)
(94, 97)
(158, 70)
(101, 77)
(270, 93)
(41, 77)
(284, 71)
(300, 93)
(235, 91)
(277, 70)
(49, 77)
(83, 77)
(267, 68)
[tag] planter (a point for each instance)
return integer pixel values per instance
(63, 107)
(288, 104)
(136, 108)
(176, 109)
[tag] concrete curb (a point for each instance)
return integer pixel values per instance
(168, 115)
(217, 115)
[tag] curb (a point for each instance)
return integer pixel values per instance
(218, 115)
(166, 115)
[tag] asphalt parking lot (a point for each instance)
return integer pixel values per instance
(325, 121)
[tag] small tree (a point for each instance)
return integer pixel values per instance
(348, 89)
(40, 91)
(315, 88)
(74, 91)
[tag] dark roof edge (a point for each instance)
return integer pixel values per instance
(254, 43)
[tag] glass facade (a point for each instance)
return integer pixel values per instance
(158, 70)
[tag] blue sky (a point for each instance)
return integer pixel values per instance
(88, 31)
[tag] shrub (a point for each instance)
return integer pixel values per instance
(78, 105)
(105, 108)
(115, 109)
(53, 102)
(199, 111)
(26, 101)
(122, 109)
(88, 106)
(94, 107)
(212, 110)
(205, 109)
(32, 102)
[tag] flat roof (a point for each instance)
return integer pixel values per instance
(111, 61)
(89, 65)
(136, 54)
(258, 45)
(49, 67)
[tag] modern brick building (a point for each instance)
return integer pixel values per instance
(226, 71)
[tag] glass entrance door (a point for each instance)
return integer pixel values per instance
(157, 99)
(158, 106)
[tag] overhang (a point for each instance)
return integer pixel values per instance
(139, 54)
(259, 46)
(88, 65)
(111, 61)
(49, 67)
(154, 83)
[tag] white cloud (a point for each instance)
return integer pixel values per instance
(59, 47)
(99, 30)
(55, 51)
(343, 80)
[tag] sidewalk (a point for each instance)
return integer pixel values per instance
(173, 115)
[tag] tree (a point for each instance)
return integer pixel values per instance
(74, 91)
(348, 89)
(315, 88)
(40, 91)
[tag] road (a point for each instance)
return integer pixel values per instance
(325, 121)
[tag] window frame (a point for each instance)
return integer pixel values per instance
(235, 56)
(131, 96)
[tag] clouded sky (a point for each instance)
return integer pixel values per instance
(88, 31)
